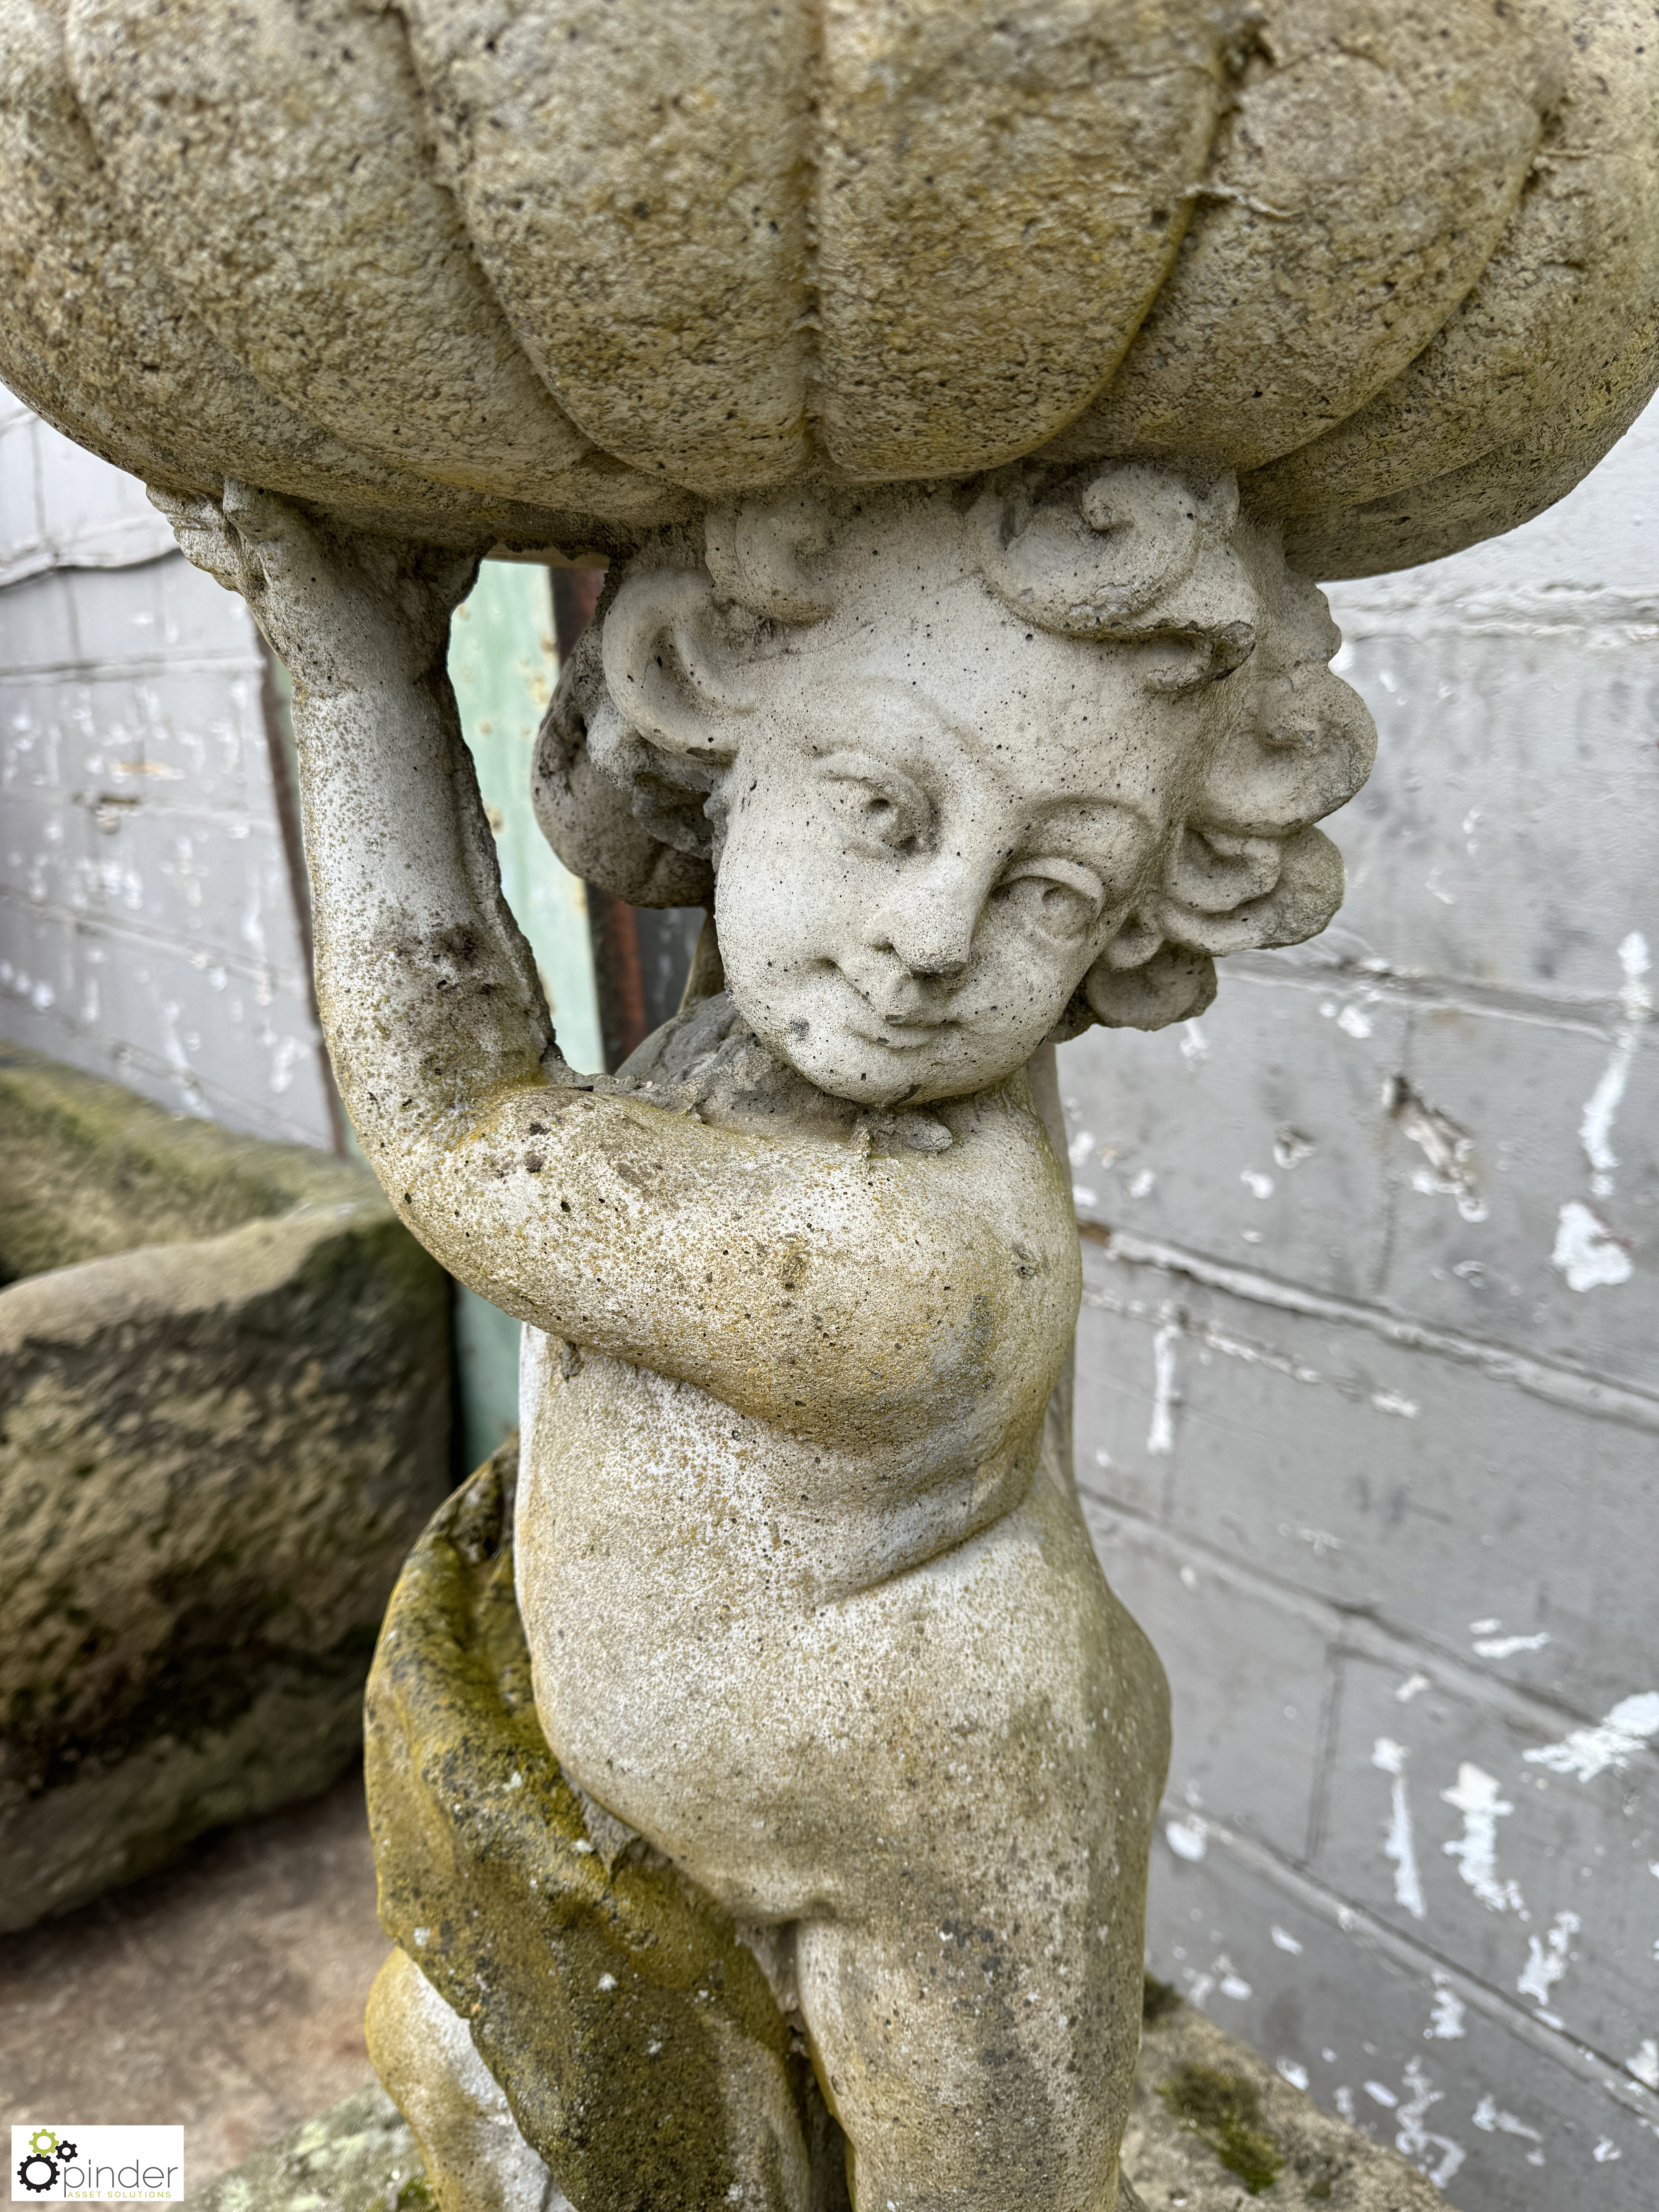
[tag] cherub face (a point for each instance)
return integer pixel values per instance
(934, 830)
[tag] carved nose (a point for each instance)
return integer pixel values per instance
(934, 946)
(926, 954)
(936, 962)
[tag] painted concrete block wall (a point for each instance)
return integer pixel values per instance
(1368, 1412)
(149, 929)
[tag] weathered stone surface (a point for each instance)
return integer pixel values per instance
(99, 340)
(641, 2049)
(228, 120)
(546, 273)
(223, 1416)
(1212, 2128)
(1545, 362)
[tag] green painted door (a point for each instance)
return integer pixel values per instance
(504, 664)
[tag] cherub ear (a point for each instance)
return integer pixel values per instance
(1140, 981)
(669, 666)
(1226, 893)
(1171, 984)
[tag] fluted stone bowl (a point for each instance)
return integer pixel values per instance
(552, 271)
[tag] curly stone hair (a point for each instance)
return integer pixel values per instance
(1129, 553)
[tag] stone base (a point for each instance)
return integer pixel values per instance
(1212, 2127)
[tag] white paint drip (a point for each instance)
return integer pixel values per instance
(1399, 1845)
(1081, 1145)
(1354, 1022)
(1160, 1436)
(1505, 1647)
(1412, 1686)
(1606, 2151)
(1390, 1401)
(1646, 2065)
(1194, 1045)
(1320, 1539)
(1288, 2070)
(1256, 1355)
(1221, 1976)
(1476, 1798)
(1446, 2021)
(1284, 1941)
(1493, 2121)
(1258, 1185)
(1589, 1752)
(1188, 1839)
(1547, 1961)
(1586, 1251)
(1595, 1130)
(1142, 1185)
(289, 1051)
(1415, 2142)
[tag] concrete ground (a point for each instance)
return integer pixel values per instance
(226, 1992)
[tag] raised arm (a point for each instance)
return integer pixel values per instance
(802, 1281)
(428, 993)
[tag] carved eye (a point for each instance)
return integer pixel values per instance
(878, 805)
(1059, 897)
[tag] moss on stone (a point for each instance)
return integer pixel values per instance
(223, 1419)
(1157, 2000)
(358, 2157)
(93, 1168)
(1225, 2109)
(606, 2001)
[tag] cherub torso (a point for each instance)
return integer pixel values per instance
(704, 1589)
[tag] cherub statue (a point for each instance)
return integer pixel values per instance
(809, 1601)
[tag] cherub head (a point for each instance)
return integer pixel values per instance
(972, 767)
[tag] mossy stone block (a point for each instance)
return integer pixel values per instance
(224, 1417)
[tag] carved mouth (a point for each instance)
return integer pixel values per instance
(901, 1036)
(897, 1032)
(908, 1035)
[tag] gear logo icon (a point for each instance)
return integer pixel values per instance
(47, 2151)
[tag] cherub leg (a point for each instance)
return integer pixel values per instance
(421, 2049)
(973, 2066)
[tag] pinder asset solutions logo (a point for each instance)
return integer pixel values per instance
(77, 2165)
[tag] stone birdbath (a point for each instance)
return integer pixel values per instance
(964, 402)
